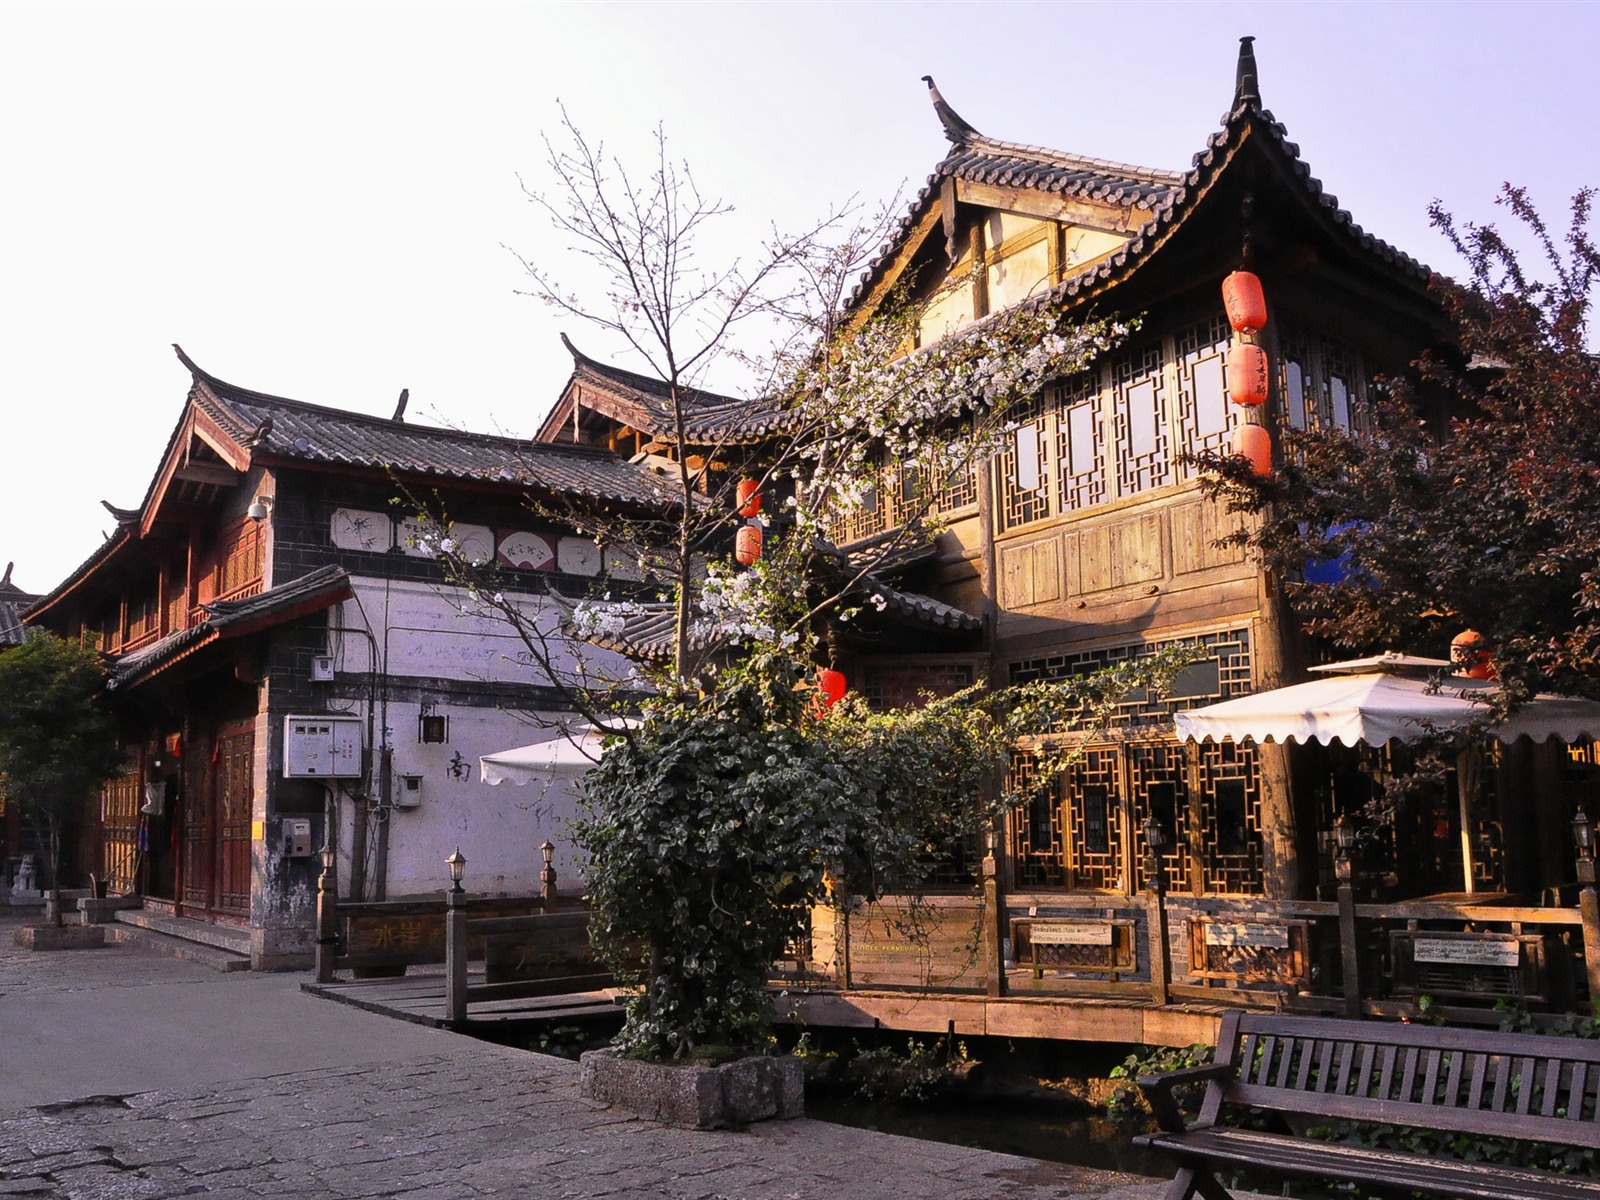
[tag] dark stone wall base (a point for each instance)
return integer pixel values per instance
(696, 1097)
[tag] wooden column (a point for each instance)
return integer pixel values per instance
(990, 919)
(1156, 907)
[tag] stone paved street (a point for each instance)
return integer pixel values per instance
(124, 1074)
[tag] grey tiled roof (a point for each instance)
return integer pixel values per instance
(645, 402)
(295, 431)
(13, 602)
(1171, 195)
(231, 618)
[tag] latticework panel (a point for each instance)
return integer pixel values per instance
(119, 832)
(1144, 451)
(1205, 416)
(1034, 828)
(907, 685)
(1343, 381)
(1023, 468)
(853, 524)
(959, 490)
(1080, 456)
(1228, 814)
(1094, 833)
(1156, 783)
(1222, 676)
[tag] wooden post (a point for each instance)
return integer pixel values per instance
(327, 917)
(989, 919)
(1156, 903)
(455, 959)
(1348, 948)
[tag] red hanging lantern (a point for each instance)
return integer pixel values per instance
(830, 687)
(749, 498)
(1469, 650)
(747, 544)
(1247, 375)
(1254, 442)
(1243, 298)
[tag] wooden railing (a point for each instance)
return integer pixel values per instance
(543, 954)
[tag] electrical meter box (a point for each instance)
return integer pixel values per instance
(322, 747)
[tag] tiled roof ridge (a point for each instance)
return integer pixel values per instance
(1182, 190)
(652, 384)
(1157, 176)
(221, 392)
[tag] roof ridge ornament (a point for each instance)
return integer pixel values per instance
(1246, 86)
(956, 129)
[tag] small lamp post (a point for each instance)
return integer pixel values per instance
(1344, 844)
(1155, 841)
(1583, 842)
(458, 871)
(547, 876)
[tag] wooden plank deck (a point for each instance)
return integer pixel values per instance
(419, 998)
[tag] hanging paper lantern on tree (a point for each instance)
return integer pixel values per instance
(1243, 298)
(1247, 375)
(749, 498)
(830, 687)
(747, 544)
(1469, 650)
(1254, 443)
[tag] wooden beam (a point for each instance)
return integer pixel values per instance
(1074, 210)
(193, 472)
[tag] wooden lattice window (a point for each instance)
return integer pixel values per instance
(1157, 784)
(144, 615)
(907, 685)
(1322, 381)
(959, 489)
(1227, 811)
(1024, 467)
(1095, 819)
(1139, 407)
(1034, 828)
(238, 557)
(1205, 415)
(1079, 453)
(1226, 673)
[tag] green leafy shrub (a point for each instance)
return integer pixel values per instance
(1126, 1099)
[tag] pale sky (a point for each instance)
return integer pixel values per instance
(315, 200)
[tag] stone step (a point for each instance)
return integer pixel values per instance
(175, 947)
(220, 937)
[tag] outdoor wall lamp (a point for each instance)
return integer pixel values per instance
(1344, 843)
(458, 871)
(1155, 835)
(548, 851)
(260, 508)
(1583, 842)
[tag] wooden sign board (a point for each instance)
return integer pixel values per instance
(1484, 952)
(1247, 933)
(897, 944)
(1057, 933)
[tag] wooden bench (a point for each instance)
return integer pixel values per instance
(1309, 1071)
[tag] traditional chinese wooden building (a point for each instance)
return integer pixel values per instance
(1088, 541)
(292, 668)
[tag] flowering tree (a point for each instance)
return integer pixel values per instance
(738, 801)
(1468, 501)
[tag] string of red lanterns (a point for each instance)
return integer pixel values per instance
(1249, 369)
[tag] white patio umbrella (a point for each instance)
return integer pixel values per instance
(564, 756)
(1373, 700)
(1390, 696)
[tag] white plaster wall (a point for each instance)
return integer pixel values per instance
(426, 631)
(499, 829)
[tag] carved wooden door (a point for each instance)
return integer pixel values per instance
(194, 884)
(233, 793)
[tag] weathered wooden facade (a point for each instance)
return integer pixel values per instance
(1087, 541)
(275, 586)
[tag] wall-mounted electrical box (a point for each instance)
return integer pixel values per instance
(409, 792)
(322, 747)
(296, 837)
(322, 668)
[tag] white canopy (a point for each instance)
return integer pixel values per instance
(564, 756)
(1374, 706)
